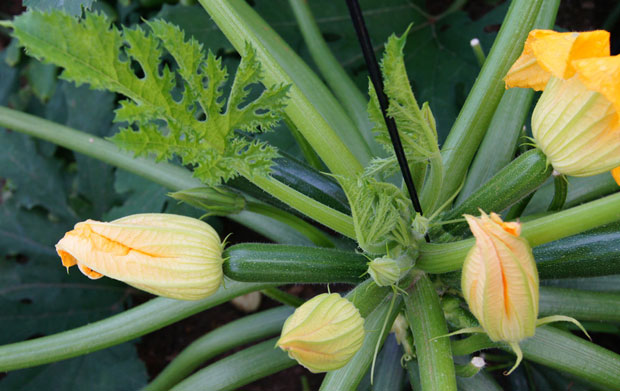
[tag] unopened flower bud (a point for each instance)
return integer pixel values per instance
(167, 255)
(500, 280)
(384, 271)
(324, 333)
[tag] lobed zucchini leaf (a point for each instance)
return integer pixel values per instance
(169, 113)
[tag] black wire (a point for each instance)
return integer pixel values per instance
(377, 81)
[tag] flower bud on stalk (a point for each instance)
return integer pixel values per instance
(500, 280)
(324, 333)
(164, 254)
(576, 122)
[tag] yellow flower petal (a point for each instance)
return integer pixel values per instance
(601, 75)
(499, 279)
(548, 53)
(616, 174)
(324, 333)
(168, 255)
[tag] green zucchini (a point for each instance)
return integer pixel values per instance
(302, 178)
(292, 264)
(589, 254)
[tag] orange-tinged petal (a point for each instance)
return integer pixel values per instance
(499, 279)
(168, 255)
(548, 53)
(616, 174)
(90, 273)
(603, 76)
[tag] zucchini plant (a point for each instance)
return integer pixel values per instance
(338, 211)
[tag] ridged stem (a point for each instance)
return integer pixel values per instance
(114, 330)
(426, 320)
(236, 333)
(475, 116)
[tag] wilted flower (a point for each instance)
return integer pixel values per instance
(324, 333)
(576, 121)
(168, 255)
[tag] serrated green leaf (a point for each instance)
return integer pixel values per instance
(72, 7)
(381, 214)
(38, 180)
(129, 63)
(196, 23)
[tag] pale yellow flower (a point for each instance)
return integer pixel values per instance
(500, 280)
(167, 255)
(576, 122)
(324, 333)
(500, 283)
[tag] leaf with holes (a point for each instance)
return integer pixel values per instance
(200, 126)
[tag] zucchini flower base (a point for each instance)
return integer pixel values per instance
(164, 254)
(576, 122)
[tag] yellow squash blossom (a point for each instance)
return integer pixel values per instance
(167, 255)
(324, 333)
(576, 122)
(500, 283)
(500, 280)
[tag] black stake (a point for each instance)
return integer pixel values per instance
(377, 81)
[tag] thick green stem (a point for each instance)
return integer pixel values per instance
(348, 377)
(563, 351)
(167, 175)
(282, 297)
(472, 344)
(426, 320)
(512, 183)
(582, 305)
(233, 334)
(475, 116)
(317, 236)
(336, 77)
(306, 149)
(114, 330)
(498, 146)
(331, 218)
(239, 369)
(559, 196)
(443, 258)
(313, 109)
